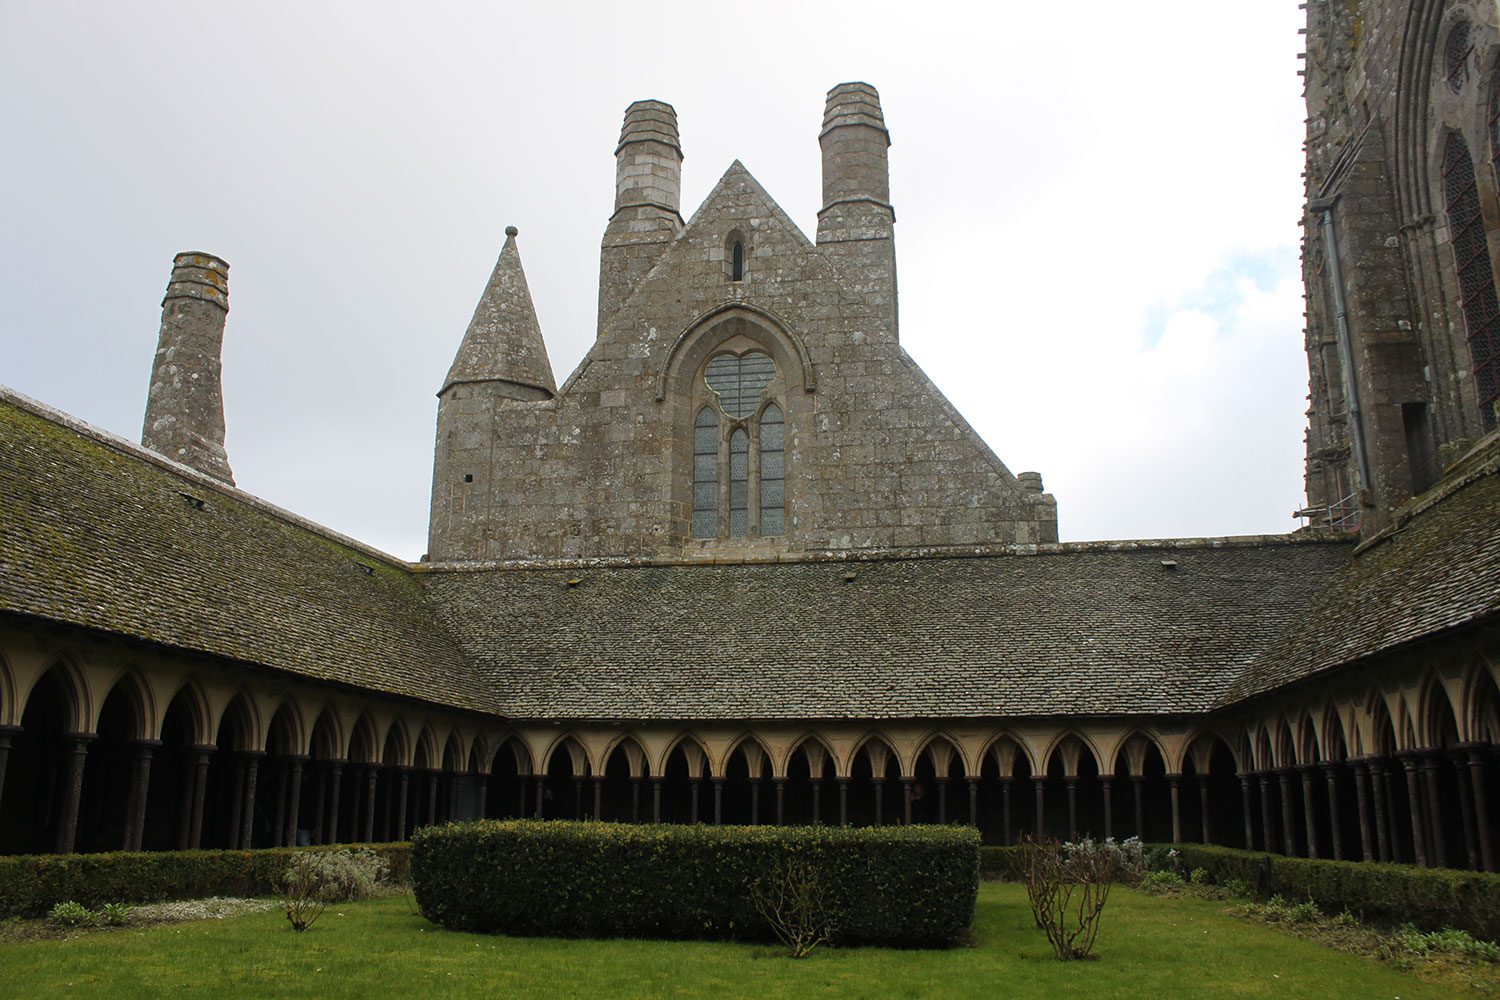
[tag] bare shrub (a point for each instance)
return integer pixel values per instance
(313, 880)
(1067, 886)
(790, 898)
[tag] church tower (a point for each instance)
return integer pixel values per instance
(501, 362)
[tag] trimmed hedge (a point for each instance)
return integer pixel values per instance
(901, 886)
(30, 885)
(995, 863)
(1431, 898)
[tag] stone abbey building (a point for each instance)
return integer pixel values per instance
(748, 565)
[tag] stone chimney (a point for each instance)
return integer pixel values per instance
(648, 192)
(185, 407)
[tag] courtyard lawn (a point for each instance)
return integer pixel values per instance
(1150, 947)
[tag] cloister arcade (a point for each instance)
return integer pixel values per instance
(101, 750)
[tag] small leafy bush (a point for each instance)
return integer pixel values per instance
(1160, 883)
(72, 914)
(1199, 876)
(901, 886)
(114, 914)
(1239, 889)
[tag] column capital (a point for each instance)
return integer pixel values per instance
(10, 730)
(146, 744)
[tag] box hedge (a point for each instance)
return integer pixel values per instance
(30, 885)
(899, 886)
(1430, 898)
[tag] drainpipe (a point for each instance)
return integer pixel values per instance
(1341, 335)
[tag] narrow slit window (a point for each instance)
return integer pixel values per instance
(737, 262)
(706, 474)
(1476, 276)
(772, 471)
(739, 484)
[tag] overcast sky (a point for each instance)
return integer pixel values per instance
(1097, 204)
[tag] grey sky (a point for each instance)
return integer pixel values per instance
(1097, 207)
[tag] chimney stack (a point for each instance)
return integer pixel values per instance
(648, 193)
(185, 407)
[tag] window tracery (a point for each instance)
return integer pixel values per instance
(739, 448)
(1476, 275)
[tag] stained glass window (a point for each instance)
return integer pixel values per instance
(1476, 276)
(772, 471)
(1456, 56)
(706, 474)
(739, 484)
(740, 381)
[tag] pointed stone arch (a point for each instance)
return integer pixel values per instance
(1480, 718)
(810, 738)
(692, 745)
(137, 694)
(196, 704)
(77, 705)
(238, 727)
(928, 742)
(425, 753)
(10, 709)
(364, 741)
(326, 739)
(700, 338)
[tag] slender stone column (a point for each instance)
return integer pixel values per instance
(1137, 787)
(1335, 824)
(718, 801)
(843, 802)
(1109, 807)
(1392, 781)
(1309, 811)
(1266, 828)
(522, 799)
(6, 732)
(1174, 782)
(942, 785)
(1072, 784)
(1434, 812)
(906, 800)
(1481, 806)
(320, 799)
(780, 802)
(598, 797)
(1362, 800)
(755, 802)
(1203, 805)
(335, 779)
(238, 804)
(372, 780)
(578, 797)
(278, 817)
(817, 803)
(484, 795)
(1005, 810)
(1466, 808)
(1377, 793)
(1288, 814)
(403, 779)
(974, 803)
(200, 786)
(635, 799)
(541, 796)
(1041, 807)
(656, 800)
(432, 796)
(1414, 797)
(140, 787)
(1247, 809)
(880, 801)
(252, 768)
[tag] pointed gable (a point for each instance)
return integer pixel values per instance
(504, 340)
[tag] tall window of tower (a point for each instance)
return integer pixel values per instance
(706, 474)
(739, 441)
(1476, 276)
(737, 262)
(1456, 56)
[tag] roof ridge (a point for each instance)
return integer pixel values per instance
(25, 403)
(1209, 543)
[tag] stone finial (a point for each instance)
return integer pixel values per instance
(1031, 482)
(185, 405)
(504, 340)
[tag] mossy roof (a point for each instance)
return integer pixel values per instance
(99, 534)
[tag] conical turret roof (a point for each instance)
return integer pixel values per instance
(504, 340)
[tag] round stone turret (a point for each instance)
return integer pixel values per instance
(854, 141)
(648, 159)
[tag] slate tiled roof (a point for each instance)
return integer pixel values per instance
(1437, 571)
(96, 534)
(1084, 629)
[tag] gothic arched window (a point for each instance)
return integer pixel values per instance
(706, 474)
(1476, 276)
(737, 262)
(739, 441)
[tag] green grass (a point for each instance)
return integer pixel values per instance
(1151, 947)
